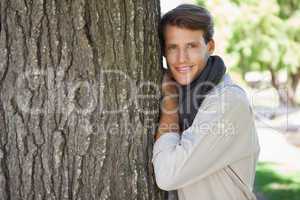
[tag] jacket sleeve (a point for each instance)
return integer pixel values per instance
(220, 134)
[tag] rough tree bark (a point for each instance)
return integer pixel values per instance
(73, 121)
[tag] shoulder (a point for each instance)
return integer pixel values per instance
(228, 94)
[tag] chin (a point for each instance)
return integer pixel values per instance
(183, 82)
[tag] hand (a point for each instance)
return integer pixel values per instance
(169, 86)
(170, 90)
(169, 106)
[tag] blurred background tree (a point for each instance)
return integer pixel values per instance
(264, 36)
(288, 8)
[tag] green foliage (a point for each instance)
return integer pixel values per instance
(288, 7)
(240, 2)
(261, 40)
(260, 35)
(201, 3)
(277, 186)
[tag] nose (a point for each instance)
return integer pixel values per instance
(182, 56)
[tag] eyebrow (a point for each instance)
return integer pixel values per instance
(191, 42)
(194, 42)
(171, 45)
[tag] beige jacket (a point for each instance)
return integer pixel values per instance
(222, 135)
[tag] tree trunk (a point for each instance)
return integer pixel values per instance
(76, 111)
(285, 93)
(295, 77)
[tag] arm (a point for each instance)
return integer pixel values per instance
(168, 121)
(169, 107)
(220, 135)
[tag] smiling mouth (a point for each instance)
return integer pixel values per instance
(184, 69)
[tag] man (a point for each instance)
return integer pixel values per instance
(206, 145)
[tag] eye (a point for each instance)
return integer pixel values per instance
(191, 45)
(172, 47)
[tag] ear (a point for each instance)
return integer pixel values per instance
(211, 46)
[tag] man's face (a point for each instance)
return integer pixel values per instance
(186, 53)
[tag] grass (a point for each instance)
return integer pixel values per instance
(277, 186)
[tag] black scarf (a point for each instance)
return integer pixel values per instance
(195, 92)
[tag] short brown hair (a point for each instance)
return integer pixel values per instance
(188, 16)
